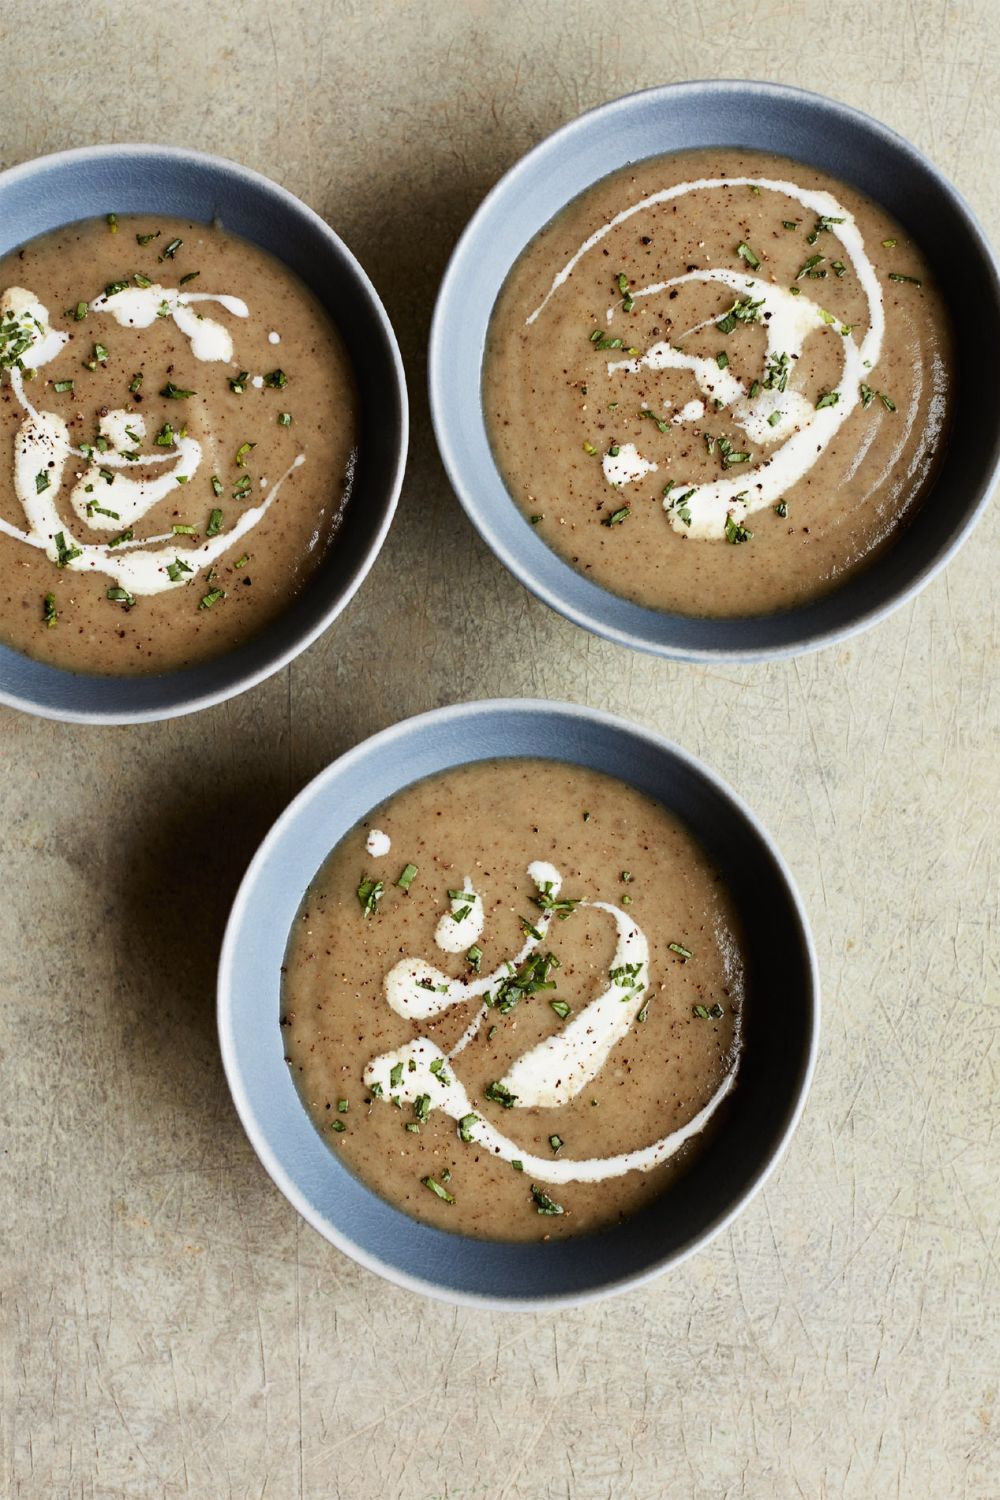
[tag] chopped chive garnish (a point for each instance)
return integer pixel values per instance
(889, 405)
(700, 1011)
(500, 1095)
(474, 958)
(112, 223)
(169, 251)
(736, 533)
(465, 1125)
(284, 419)
(140, 279)
(121, 596)
(617, 516)
(175, 392)
(407, 877)
(789, 224)
(889, 244)
(241, 562)
(238, 383)
(276, 379)
(80, 312)
(808, 268)
(898, 276)
(114, 287)
(64, 554)
(395, 1075)
(823, 223)
(561, 1009)
(49, 612)
(745, 253)
(422, 1108)
(217, 485)
(722, 359)
(191, 276)
(177, 569)
(680, 950)
(62, 386)
(243, 453)
(556, 1142)
(343, 1106)
(589, 448)
(144, 239)
(435, 1187)
(623, 287)
(42, 481)
(135, 384)
(535, 519)
(544, 1203)
(214, 523)
(212, 597)
(781, 509)
(338, 1126)
(123, 536)
(828, 398)
(370, 893)
(182, 529)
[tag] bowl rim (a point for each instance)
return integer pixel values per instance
(350, 762)
(257, 181)
(441, 407)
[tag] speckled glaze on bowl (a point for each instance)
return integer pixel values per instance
(781, 1025)
(56, 190)
(765, 117)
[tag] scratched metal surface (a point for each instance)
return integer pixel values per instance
(169, 1326)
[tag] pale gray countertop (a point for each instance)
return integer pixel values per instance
(170, 1327)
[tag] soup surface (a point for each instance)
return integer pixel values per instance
(717, 382)
(512, 999)
(177, 441)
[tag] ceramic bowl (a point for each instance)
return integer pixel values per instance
(781, 1023)
(766, 117)
(55, 190)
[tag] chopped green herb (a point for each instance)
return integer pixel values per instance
(62, 386)
(680, 950)
(556, 1142)
(547, 902)
(744, 310)
(838, 268)
(395, 1075)
(338, 1126)
(407, 877)
(144, 239)
(745, 253)
(781, 509)
(437, 1068)
(217, 485)
(808, 268)
(643, 1013)
(184, 530)
(214, 523)
(42, 481)
(242, 488)
(141, 280)
(614, 450)
(135, 384)
(535, 520)
(529, 930)
(370, 893)
(211, 598)
(601, 341)
(722, 359)
(123, 536)
(238, 383)
(474, 958)
(789, 224)
(176, 392)
(177, 569)
(500, 1095)
(699, 1011)
(774, 419)
(422, 1108)
(169, 251)
(191, 276)
(898, 276)
(646, 412)
(241, 562)
(376, 1091)
(465, 1125)
(243, 453)
(889, 405)
(112, 223)
(65, 554)
(49, 612)
(617, 516)
(776, 372)
(114, 287)
(343, 1106)
(867, 395)
(518, 1166)
(828, 398)
(623, 287)
(284, 419)
(276, 379)
(544, 1203)
(121, 596)
(412, 1127)
(823, 223)
(80, 311)
(561, 1009)
(737, 533)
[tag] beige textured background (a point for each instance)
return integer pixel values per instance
(169, 1327)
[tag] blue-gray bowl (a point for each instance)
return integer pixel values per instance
(760, 116)
(781, 1022)
(56, 190)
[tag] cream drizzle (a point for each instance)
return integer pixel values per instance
(460, 927)
(807, 431)
(42, 445)
(549, 1074)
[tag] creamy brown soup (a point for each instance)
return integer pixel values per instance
(512, 999)
(718, 381)
(177, 440)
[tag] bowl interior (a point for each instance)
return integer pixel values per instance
(764, 117)
(58, 190)
(780, 1026)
